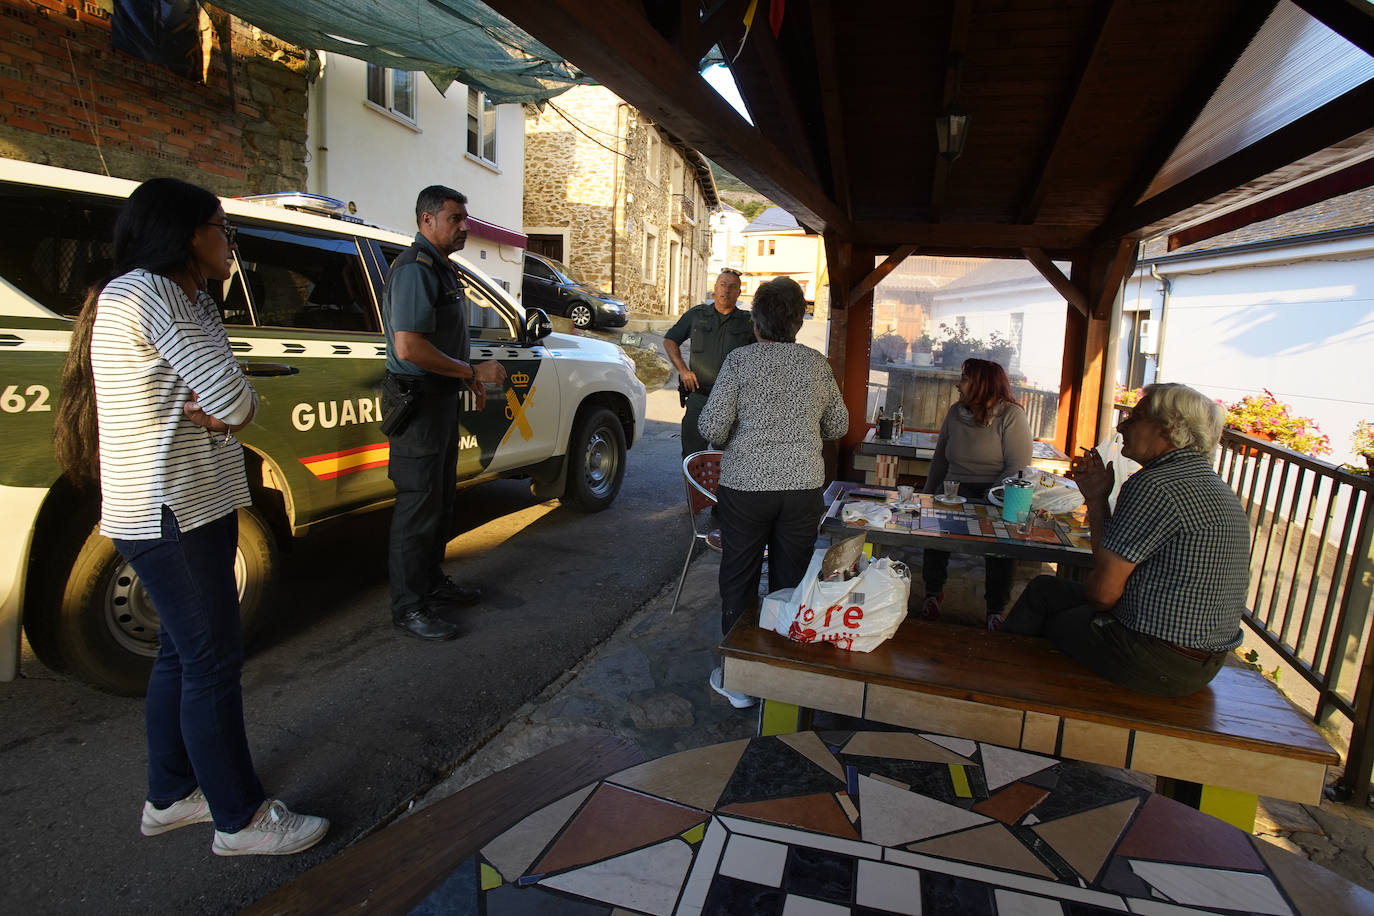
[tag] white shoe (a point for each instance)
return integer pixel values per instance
(737, 700)
(274, 831)
(193, 809)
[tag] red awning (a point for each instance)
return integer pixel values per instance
(496, 233)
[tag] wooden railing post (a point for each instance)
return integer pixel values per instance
(1354, 614)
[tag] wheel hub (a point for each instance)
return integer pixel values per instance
(129, 611)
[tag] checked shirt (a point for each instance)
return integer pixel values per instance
(1186, 532)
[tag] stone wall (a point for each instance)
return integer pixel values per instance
(68, 98)
(589, 174)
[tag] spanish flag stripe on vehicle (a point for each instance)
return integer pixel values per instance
(349, 461)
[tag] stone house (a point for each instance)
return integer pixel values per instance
(620, 201)
(233, 118)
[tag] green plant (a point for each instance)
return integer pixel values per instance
(1363, 443)
(1269, 418)
(923, 344)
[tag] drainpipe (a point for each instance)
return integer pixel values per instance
(318, 110)
(1166, 286)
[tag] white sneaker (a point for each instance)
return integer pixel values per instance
(193, 809)
(274, 831)
(737, 700)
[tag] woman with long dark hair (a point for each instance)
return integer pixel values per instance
(151, 398)
(983, 439)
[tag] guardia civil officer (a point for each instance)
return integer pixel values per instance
(715, 329)
(424, 315)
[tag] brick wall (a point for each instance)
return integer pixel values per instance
(68, 98)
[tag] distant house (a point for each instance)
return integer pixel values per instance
(727, 240)
(775, 245)
(1286, 304)
(377, 136)
(619, 200)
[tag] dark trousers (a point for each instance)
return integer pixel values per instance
(424, 468)
(998, 571)
(194, 706)
(784, 521)
(691, 436)
(1058, 609)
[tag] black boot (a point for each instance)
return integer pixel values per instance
(424, 625)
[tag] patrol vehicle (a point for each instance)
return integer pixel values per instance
(302, 310)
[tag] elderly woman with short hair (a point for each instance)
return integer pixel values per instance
(771, 405)
(1161, 609)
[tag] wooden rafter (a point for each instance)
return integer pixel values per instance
(1076, 111)
(888, 234)
(870, 282)
(1055, 277)
(762, 48)
(823, 36)
(1109, 267)
(1326, 126)
(615, 44)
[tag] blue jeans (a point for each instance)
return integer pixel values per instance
(194, 707)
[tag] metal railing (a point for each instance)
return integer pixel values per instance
(1312, 579)
(684, 210)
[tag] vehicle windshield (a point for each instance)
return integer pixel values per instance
(563, 269)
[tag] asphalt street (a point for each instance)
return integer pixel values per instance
(346, 717)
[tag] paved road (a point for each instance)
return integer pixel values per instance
(346, 717)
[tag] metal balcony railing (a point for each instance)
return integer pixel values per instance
(684, 210)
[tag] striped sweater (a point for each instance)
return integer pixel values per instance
(151, 347)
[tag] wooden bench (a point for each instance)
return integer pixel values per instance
(1218, 749)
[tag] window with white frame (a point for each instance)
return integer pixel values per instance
(650, 267)
(481, 127)
(655, 157)
(392, 90)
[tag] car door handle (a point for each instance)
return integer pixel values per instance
(267, 369)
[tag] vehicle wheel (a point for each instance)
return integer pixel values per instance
(596, 461)
(103, 625)
(580, 314)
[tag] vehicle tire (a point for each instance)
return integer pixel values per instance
(580, 314)
(103, 625)
(596, 461)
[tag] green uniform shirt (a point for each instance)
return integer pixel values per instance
(424, 295)
(713, 336)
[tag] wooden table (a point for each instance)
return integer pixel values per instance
(908, 455)
(1068, 547)
(845, 821)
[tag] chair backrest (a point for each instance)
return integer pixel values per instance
(702, 472)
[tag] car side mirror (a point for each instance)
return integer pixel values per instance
(537, 325)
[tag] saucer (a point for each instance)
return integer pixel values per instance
(951, 501)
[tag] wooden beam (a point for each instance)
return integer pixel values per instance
(1330, 124)
(1354, 178)
(1353, 20)
(613, 42)
(870, 282)
(725, 18)
(763, 49)
(1055, 277)
(888, 234)
(1212, 71)
(1075, 113)
(1083, 368)
(1111, 265)
(823, 36)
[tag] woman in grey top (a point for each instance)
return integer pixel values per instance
(771, 405)
(984, 439)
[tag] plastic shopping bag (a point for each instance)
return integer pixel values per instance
(1109, 450)
(855, 614)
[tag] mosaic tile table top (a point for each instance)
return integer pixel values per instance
(830, 823)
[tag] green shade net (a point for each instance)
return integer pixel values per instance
(450, 40)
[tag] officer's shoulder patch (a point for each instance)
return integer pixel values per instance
(424, 258)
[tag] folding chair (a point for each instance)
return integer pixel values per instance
(701, 472)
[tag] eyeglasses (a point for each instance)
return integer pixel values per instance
(230, 232)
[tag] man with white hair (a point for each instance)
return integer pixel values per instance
(1161, 608)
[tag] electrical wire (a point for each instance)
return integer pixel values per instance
(574, 126)
(95, 134)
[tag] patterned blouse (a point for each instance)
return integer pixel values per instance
(771, 406)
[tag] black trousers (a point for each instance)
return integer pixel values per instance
(691, 436)
(424, 468)
(1058, 609)
(999, 571)
(784, 521)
